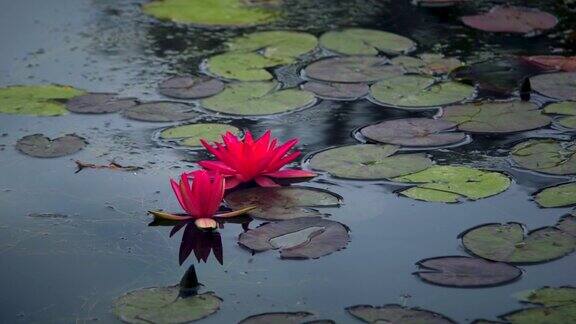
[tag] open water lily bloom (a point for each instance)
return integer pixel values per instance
(257, 160)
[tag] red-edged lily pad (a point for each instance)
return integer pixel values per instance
(509, 19)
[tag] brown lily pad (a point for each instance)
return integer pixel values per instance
(509, 19)
(337, 91)
(40, 146)
(393, 313)
(189, 87)
(556, 85)
(352, 69)
(555, 62)
(277, 318)
(161, 111)
(99, 103)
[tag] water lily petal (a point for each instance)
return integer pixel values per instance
(264, 181)
(291, 173)
(217, 166)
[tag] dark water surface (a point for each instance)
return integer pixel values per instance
(69, 269)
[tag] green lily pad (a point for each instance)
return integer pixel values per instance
(217, 13)
(567, 224)
(551, 296)
(353, 69)
(415, 91)
(510, 243)
(563, 195)
(189, 87)
(242, 66)
(40, 146)
(393, 313)
(452, 183)
(190, 135)
(283, 46)
(282, 203)
(431, 64)
(277, 318)
(36, 100)
(559, 306)
(566, 108)
(556, 85)
(358, 41)
(258, 98)
(496, 117)
(546, 156)
(161, 111)
(368, 162)
(164, 305)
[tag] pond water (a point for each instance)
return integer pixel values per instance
(97, 245)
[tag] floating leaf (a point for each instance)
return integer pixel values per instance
(280, 203)
(190, 135)
(438, 3)
(393, 313)
(37, 100)
(99, 103)
(566, 108)
(284, 46)
(368, 162)
(546, 156)
(188, 87)
(462, 271)
(354, 69)
(556, 62)
(510, 243)
(559, 306)
(567, 224)
(258, 98)
(415, 91)
(556, 85)
(298, 238)
(277, 318)
(558, 196)
(242, 66)
(164, 305)
(415, 132)
(358, 41)
(551, 296)
(161, 111)
(220, 13)
(337, 91)
(496, 117)
(452, 183)
(510, 19)
(431, 64)
(40, 146)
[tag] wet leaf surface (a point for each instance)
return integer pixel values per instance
(40, 146)
(258, 98)
(567, 224)
(546, 156)
(298, 238)
(414, 132)
(431, 64)
(279, 318)
(161, 111)
(284, 46)
(36, 100)
(510, 19)
(511, 243)
(99, 103)
(558, 196)
(496, 117)
(466, 272)
(556, 85)
(190, 87)
(556, 62)
(358, 41)
(190, 135)
(282, 203)
(353, 69)
(566, 108)
(393, 313)
(414, 91)
(453, 183)
(242, 66)
(337, 91)
(559, 306)
(368, 162)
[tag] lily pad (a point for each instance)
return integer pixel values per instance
(566, 108)
(164, 305)
(452, 183)
(567, 224)
(466, 272)
(414, 132)
(99, 103)
(368, 162)
(415, 91)
(438, 3)
(556, 62)
(337, 91)
(298, 238)
(281, 203)
(37, 100)
(393, 313)
(216, 13)
(188, 87)
(559, 306)
(359, 41)
(496, 117)
(258, 98)
(551, 296)
(190, 135)
(242, 66)
(277, 318)
(40, 146)
(431, 64)
(161, 111)
(510, 19)
(546, 156)
(284, 46)
(353, 69)
(510, 243)
(563, 195)
(556, 85)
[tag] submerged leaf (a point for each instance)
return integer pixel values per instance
(161, 111)
(358, 41)
(563, 195)
(36, 100)
(337, 91)
(99, 103)
(190, 87)
(40, 146)
(393, 313)
(546, 156)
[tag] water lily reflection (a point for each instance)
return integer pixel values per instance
(202, 243)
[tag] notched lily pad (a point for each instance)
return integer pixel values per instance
(466, 272)
(368, 162)
(164, 305)
(415, 91)
(567, 112)
(283, 203)
(353, 69)
(190, 135)
(190, 87)
(161, 111)
(510, 19)
(337, 91)
(242, 66)
(99, 103)
(393, 313)
(496, 117)
(36, 100)
(40, 146)
(279, 318)
(451, 184)
(562, 195)
(511, 243)
(298, 238)
(556, 85)
(258, 98)
(359, 41)
(414, 132)
(546, 156)
(284, 46)
(558, 305)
